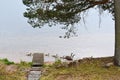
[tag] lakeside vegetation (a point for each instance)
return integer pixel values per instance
(85, 69)
(13, 71)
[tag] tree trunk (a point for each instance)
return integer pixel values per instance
(117, 33)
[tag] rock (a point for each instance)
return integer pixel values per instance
(34, 75)
(108, 65)
(48, 63)
(11, 69)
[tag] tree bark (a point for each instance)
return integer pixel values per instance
(117, 33)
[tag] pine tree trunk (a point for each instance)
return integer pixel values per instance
(117, 33)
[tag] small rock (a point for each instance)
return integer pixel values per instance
(108, 65)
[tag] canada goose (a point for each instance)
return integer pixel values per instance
(69, 58)
(47, 54)
(29, 54)
(55, 56)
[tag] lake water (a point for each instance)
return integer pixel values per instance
(96, 45)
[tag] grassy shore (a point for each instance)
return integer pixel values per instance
(13, 71)
(84, 69)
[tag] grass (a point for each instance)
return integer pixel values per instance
(12, 71)
(86, 69)
(6, 61)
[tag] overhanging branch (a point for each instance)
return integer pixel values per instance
(98, 2)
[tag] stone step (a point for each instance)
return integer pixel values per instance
(34, 75)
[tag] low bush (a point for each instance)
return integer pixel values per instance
(6, 61)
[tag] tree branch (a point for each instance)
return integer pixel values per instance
(98, 2)
(94, 3)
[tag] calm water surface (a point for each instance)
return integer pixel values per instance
(16, 48)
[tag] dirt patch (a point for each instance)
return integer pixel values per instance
(11, 69)
(64, 77)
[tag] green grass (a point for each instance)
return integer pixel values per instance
(86, 69)
(6, 61)
(18, 74)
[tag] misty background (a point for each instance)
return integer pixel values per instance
(17, 37)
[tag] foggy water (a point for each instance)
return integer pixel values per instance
(17, 37)
(96, 45)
